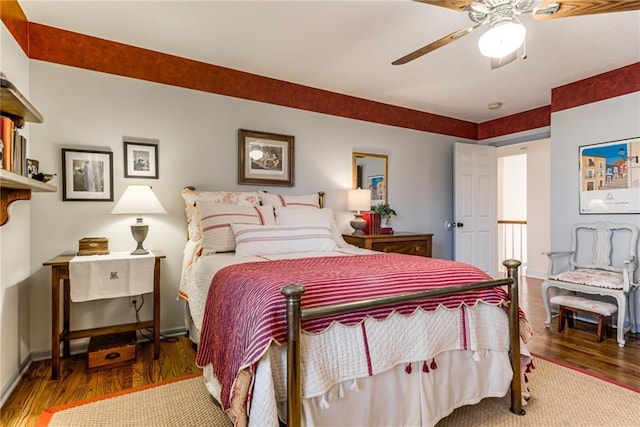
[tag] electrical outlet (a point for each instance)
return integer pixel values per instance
(133, 301)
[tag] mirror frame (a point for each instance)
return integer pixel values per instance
(384, 157)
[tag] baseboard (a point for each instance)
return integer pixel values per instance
(15, 379)
(536, 274)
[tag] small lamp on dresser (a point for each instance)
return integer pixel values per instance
(138, 200)
(358, 200)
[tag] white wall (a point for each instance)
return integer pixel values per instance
(538, 201)
(14, 245)
(198, 139)
(608, 120)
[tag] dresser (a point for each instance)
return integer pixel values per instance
(399, 242)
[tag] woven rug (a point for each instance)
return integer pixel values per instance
(560, 397)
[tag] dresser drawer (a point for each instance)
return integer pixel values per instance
(400, 242)
(408, 248)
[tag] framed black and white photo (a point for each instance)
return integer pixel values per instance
(265, 158)
(87, 175)
(33, 168)
(140, 159)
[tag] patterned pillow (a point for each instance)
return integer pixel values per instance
(216, 219)
(279, 200)
(227, 197)
(252, 240)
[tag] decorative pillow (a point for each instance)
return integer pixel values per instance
(227, 197)
(280, 201)
(253, 240)
(215, 220)
(311, 216)
(303, 216)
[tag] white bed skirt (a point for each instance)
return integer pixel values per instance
(394, 397)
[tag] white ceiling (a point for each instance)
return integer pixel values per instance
(348, 47)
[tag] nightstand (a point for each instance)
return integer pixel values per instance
(399, 242)
(60, 272)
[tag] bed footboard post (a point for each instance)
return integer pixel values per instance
(293, 294)
(514, 336)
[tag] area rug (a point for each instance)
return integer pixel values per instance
(560, 397)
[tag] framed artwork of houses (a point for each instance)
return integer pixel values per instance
(610, 177)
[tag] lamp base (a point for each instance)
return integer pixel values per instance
(358, 224)
(139, 232)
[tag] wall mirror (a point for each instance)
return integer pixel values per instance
(370, 171)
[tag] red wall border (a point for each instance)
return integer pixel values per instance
(621, 81)
(527, 120)
(78, 50)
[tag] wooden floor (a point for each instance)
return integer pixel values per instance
(36, 391)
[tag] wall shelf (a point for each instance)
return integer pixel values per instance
(17, 106)
(13, 186)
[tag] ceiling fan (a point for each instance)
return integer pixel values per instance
(506, 34)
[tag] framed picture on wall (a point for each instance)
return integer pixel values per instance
(265, 158)
(140, 158)
(610, 177)
(87, 175)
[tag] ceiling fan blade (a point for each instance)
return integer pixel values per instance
(459, 5)
(435, 45)
(549, 9)
(501, 62)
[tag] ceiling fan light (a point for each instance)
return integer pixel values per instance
(502, 39)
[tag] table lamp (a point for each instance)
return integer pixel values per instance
(138, 200)
(358, 200)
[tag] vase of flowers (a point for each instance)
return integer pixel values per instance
(386, 212)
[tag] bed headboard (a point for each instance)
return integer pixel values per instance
(321, 194)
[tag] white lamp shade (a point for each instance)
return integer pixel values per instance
(359, 200)
(502, 39)
(138, 200)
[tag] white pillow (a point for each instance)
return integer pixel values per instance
(255, 240)
(279, 200)
(242, 198)
(303, 216)
(311, 216)
(215, 220)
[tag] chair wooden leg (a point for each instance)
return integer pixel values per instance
(569, 314)
(601, 327)
(562, 316)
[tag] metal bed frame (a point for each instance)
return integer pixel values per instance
(296, 315)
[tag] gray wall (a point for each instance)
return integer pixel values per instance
(198, 139)
(608, 120)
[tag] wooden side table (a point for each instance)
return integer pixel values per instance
(60, 271)
(399, 242)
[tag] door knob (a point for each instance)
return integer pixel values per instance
(459, 224)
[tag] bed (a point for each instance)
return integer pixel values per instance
(294, 325)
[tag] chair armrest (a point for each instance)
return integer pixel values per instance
(631, 260)
(553, 256)
(556, 253)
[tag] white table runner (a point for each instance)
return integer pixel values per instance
(118, 274)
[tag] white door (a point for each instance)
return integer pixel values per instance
(475, 206)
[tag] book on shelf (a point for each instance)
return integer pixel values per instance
(373, 222)
(6, 135)
(386, 230)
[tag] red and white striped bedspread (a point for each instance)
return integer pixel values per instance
(245, 310)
